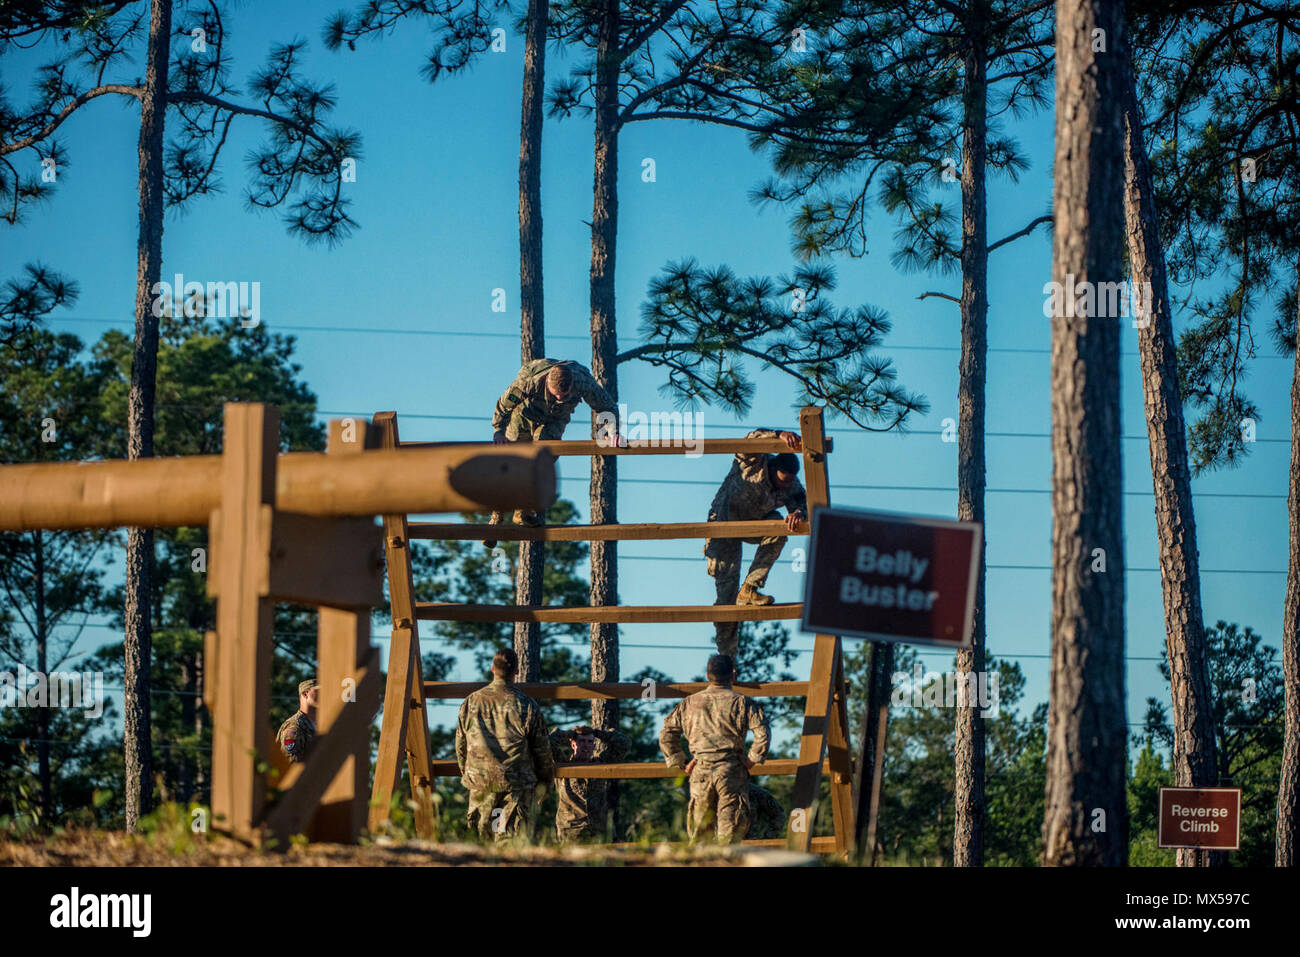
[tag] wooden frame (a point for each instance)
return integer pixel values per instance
(296, 528)
(824, 744)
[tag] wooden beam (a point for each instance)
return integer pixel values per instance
(237, 575)
(342, 649)
(306, 783)
(335, 562)
(825, 674)
(630, 770)
(629, 614)
(165, 493)
(820, 845)
(342, 570)
(591, 447)
(623, 690)
(603, 533)
(405, 726)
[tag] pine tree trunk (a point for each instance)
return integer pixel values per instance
(968, 832)
(42, 667)
(144, 368)
(604, 352)
(1086, 820)
(1180, 580)
(532, 333)
(1289, 784)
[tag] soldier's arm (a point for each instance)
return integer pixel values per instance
(762, 733)
(292, 742)
(462, 746)
(670, 739)
(540, 745)
(796, 499)
(591, 391)
(561, 745)
(617, 745)
(509, 399)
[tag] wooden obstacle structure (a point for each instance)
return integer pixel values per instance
(298, 528)
(823, 745)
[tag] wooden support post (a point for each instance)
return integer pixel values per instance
(238, 580)
(841, 765)
(821, 710)
(342, 648)
(406, 722)
(871, 750)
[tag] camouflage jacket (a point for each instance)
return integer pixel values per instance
(747, 493)
(501, 740)
(575, 795)
(714, 722)
(295, 736)
(527, 395)
(766, 815)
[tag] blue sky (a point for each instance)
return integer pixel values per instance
(436, 197)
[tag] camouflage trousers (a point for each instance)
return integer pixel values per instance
(724, 555)
(520, 429)
(503, 814)
(719, 803)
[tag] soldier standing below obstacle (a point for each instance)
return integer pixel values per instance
(299, 729)
(580, 811)
(714, 722)
(755, 487)
(503, 753)
(538, 405)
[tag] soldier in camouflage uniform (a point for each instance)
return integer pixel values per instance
(580, 810)
(539, 404)
(299, 729)
(714, 722)
(755, 487)
(503, 753)
(767, 817)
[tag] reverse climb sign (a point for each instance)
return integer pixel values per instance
(891, 577)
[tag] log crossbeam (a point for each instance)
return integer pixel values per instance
(624, 614)
(691, 448)
(604, 533)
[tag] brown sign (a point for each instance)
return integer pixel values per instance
(1200, 817)
(890, 577)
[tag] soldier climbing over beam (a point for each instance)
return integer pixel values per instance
(714, 722)
(755, 487)
(581, 807)
(503, 753)
(538, 405)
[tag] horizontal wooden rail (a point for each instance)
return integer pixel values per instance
(820, 845)
(604, 533)
(611, 689)
(626, 614)
(692, 447)
(170, 492)
(635, 770)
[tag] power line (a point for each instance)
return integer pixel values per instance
(579, 338)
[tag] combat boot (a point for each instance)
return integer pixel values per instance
(495, 519)
(749, 595)
(531, 519)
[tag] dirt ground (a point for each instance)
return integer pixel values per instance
(110, 848)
